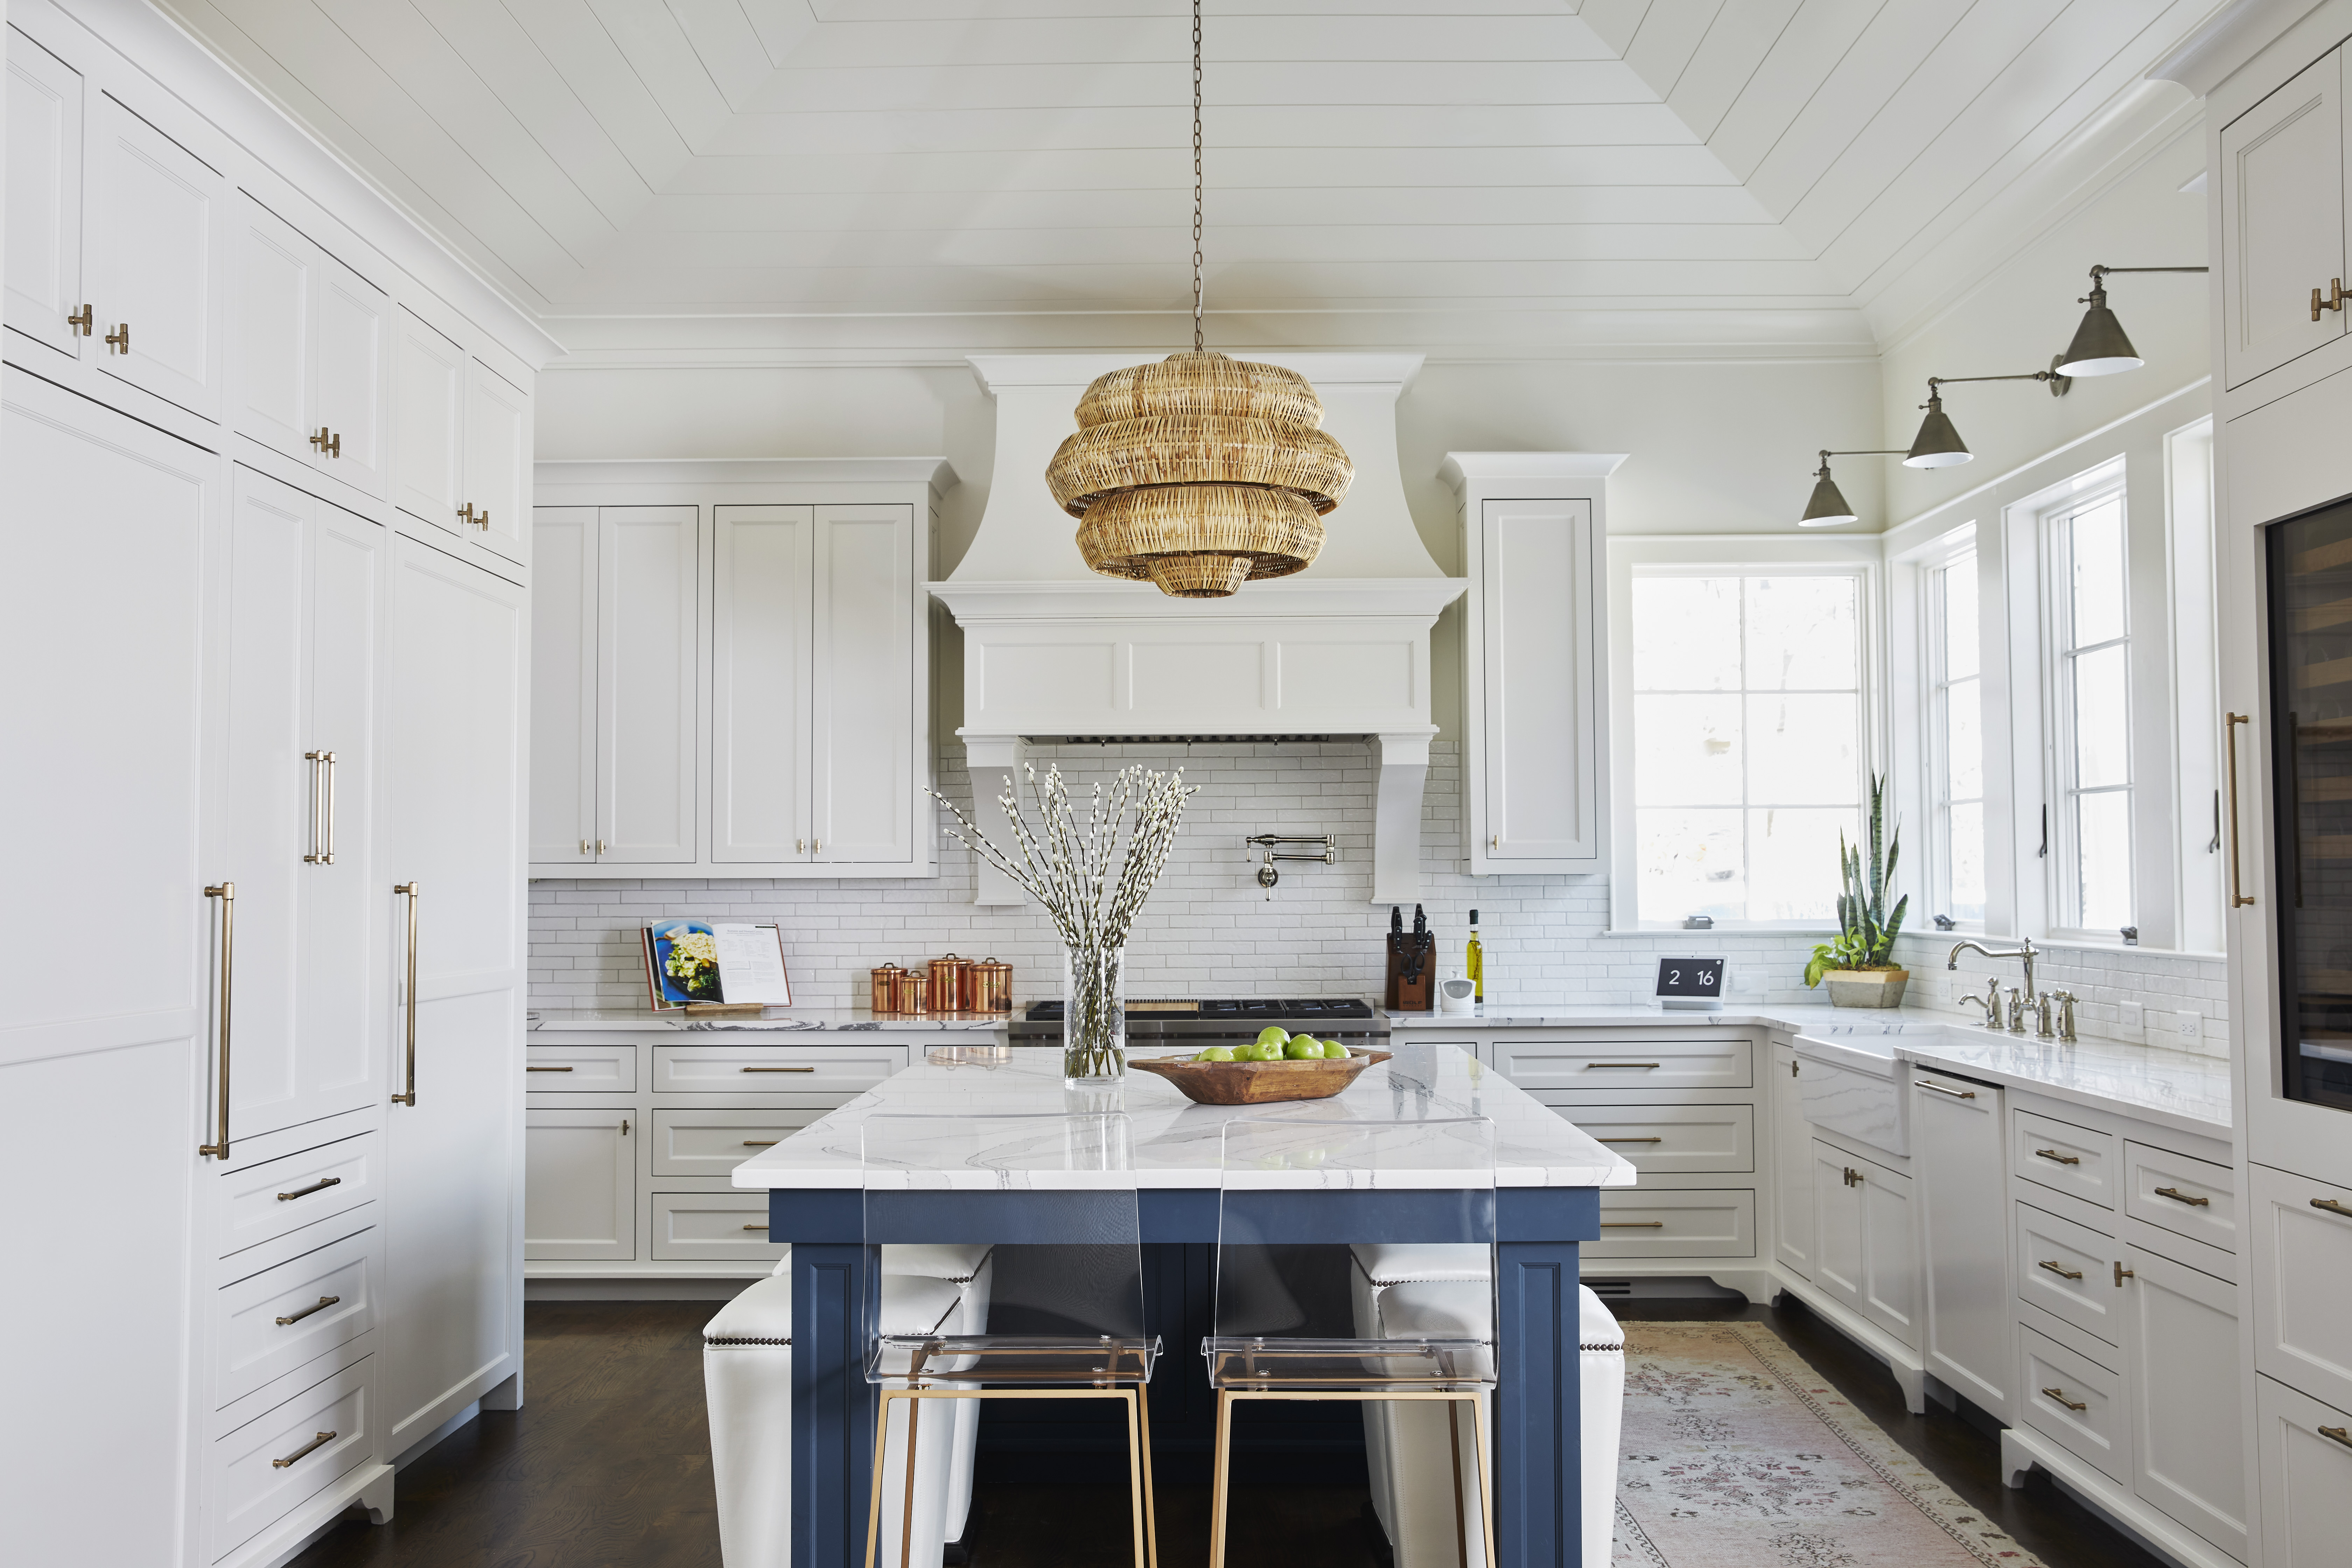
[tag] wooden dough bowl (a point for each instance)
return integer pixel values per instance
(1259, 1083)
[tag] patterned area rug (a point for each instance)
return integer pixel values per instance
(1738, 1454)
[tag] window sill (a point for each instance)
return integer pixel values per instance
(1653, 933)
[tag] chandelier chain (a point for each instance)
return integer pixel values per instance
(1196, 177)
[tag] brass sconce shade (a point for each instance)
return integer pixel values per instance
(1937, 445)
(2100, 346)
(1828, 507)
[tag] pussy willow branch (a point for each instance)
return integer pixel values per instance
(1066, 867)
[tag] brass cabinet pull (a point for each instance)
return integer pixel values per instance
(625, 1127)
(1947, 1088)
(2062, 1270)
(1589, 1066)
(755, 1228)
(2332, 300)
(409, 891)
(320, 1185)
(1494, 843)
(2330, 1205)
(600, 847)
(2177, 1195)
(321, 1304)
(1852, 1177)
(780, 1069)
(2122, 1274)
(759, 1142)
(119, 340)
(546, 1069)
(81, 322)
(1632, 1224)
(319, 1441)
(816, 845)
(323, 807)
(2061, 1159)
(1792, 1069)
(328, 443)
(2060, 1395)
(465, 514)
(226, 893)
(800, 846)
(1629, 1140)
(2337, 1434)
(2238, 898)
(583, 846)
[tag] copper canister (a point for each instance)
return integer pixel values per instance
(951, 985)
(883, 989)
(991, 987)
(914, 993)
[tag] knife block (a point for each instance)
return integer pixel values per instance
(1412, 972)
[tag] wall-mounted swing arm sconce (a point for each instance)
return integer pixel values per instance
(1938, 445)
(1270, 842)
(1828, 507)
(2100, 347)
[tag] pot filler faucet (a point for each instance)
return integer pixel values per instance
(2021, 1002)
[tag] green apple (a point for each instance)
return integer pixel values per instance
(1303, 1048)
(1216, 1054)
(1267, 1051)
(1273, 1033)
(1334, 1049)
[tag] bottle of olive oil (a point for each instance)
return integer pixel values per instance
(1474, 963)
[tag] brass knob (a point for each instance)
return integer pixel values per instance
(82, 319)
(119, 340)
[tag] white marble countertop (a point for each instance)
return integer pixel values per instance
(786, 1020)
(1176, 1143)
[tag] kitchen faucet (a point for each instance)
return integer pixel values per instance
(2024, 951)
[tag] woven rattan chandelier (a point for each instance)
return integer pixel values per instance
(1200, 472)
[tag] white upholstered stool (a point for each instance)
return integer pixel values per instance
(746, 1379)
(1407, 1289)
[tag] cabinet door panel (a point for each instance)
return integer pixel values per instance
(158, 236)
(1890, 1293)
(44, 195)
(1838, 1264)
(1792, 1168)
(2303, 1258)
(1957, 1165)
(271, 332)
(2180, 1339)
(354, 330)
(497, 461)
(862, 762)
(1541, 791)
(648, 643)
(429, 411)
(2306, 1478)
(762, 628)
(563, 687)
(2283, 222)
(581, 1185)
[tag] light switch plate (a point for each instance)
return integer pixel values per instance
(2189, 1028)
(2129, 1024)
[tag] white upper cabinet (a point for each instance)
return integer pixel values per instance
(563, 686)
(498, 462)
(1535, 725)
(760, 673)
(44, 197)
(648, 584)
(159, 224)
(2282, 171)
(272, 332)
(428, 401)
(861, 761)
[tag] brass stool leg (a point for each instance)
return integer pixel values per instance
(1486, 1473)
(1218, 1482)
(1453, 1442)
(881, 1449)
(907, 1517)
(1151, 1503)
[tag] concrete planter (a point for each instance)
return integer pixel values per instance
(1866, 987)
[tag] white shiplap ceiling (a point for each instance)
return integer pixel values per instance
(1810, 174)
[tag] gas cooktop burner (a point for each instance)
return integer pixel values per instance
(1269, 1010)
(1219, 1020)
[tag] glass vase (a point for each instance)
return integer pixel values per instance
(1094, 1017)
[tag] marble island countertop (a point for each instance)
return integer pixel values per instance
(1176, 1143)
(787, 1020)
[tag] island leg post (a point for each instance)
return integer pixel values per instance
(1538, 1472)
(832, 1404)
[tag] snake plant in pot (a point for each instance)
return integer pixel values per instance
(1858, 968)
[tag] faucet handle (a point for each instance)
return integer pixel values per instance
(2066, 1003)
(1992, 1006)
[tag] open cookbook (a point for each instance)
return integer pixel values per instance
(709, 964)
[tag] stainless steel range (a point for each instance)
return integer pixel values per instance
(1202, 1024)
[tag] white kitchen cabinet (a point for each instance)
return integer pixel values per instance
(309, 352)
(761, 674)
(159, 221)
(564, 615)
(43, 198)
(2180, 1357)
(2281, 234)
(2304, 1453)
(863, 718)
(1956, 1170)
(1792, 1168)
(107, 962)
(2302, 1274)
(1864, 1251)
(579, 1168)
(1533, 710)
(454, 803)
(428, 416)
(306, 585)
(498, 462)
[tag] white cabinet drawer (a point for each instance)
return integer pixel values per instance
(2069, 1159)
(2194, 1198)
(713, 1227)
(713, 1143)
(280, 1318)
(262, 1202)
(2306, 1478)
(2057, 1381)
(1661, 1138)
(1663, 1223)
(774, 1070)
(2068, 1272)
(1709, 1062)
(605, 1069)
(273, 1464)
(2303, 1252)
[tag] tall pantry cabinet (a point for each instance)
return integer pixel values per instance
(264, 939)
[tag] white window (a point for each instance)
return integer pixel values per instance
(1748, 751)
(1954, 724)
(2089, 841)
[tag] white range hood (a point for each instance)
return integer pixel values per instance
(1341, 648)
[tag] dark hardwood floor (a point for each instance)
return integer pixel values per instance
(608, 1466)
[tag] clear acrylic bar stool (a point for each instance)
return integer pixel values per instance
(1055, 1196)
(1283, 1323)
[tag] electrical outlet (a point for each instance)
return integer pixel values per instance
(2129, 1024)
(2189, 1026)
